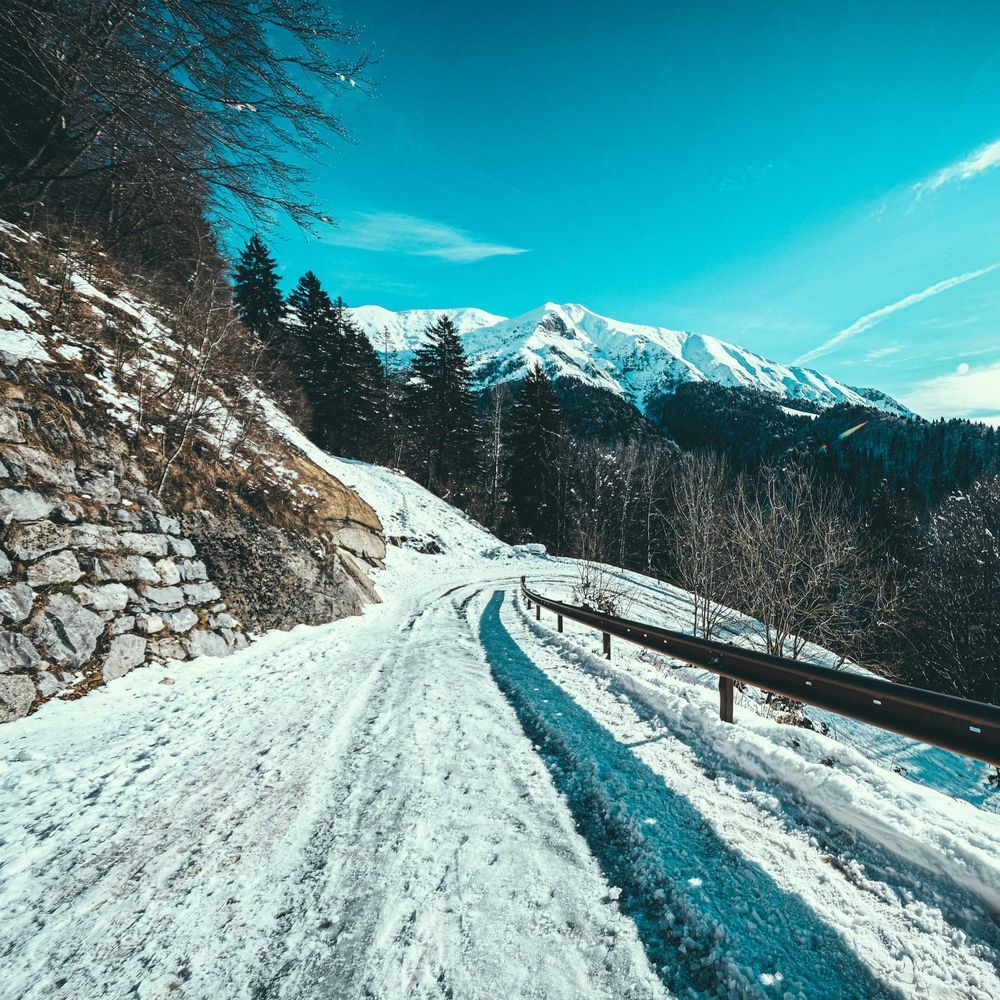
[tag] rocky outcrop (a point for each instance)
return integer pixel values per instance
(106, 561)
(273, 576)
(97, 577)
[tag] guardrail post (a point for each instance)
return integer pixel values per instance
(726, 687)
(538, 612)
(607, 646)
(558, 623)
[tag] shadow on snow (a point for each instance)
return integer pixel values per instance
(712, 922)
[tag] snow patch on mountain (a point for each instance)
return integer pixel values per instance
(633, 361)
(406, 331)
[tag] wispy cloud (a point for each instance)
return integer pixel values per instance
(972, 393)
(391, 232)
(869, 320)
(882, 352)
(984, 158)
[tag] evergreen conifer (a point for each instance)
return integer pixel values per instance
(256, 291)
(442, 411)
(534, 452)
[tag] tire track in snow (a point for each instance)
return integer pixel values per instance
(441, 850)
(678, 878)
(917, 931)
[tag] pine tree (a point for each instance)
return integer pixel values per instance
(389, 424)
(956, 626)
(442, 412)
(893, 528)
(310, 323)
(256, 291)
(534, 449)
(356, 388)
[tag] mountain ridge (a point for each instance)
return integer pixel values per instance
(635, 361)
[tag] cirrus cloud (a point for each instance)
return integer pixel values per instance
(979, 160)
(395, 232)
(869, 320)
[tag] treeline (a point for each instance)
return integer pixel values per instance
(928, 460)
(872, 534)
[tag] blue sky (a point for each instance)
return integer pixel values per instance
(814, 181)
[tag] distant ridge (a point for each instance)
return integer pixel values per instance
(638, 363)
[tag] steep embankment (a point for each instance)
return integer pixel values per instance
(142, 517)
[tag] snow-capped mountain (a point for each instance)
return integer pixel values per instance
(406, 331)
(635, 362)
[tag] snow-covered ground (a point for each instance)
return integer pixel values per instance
(445, 798)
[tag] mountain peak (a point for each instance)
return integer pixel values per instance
(636, 362)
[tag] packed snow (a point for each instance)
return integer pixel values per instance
(444, 797)
(632, 361)
(16, 318)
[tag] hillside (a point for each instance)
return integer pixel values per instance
(636, 363)
(148, 510)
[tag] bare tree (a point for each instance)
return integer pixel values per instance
(628, 458)
(164, 106)
(197, 383)
(656, 471)
(702, 537)
(495, 431)
(799, 566)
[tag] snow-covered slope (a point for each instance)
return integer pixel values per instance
(632, 361)
(405, 331)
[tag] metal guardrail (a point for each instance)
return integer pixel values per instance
(967, 727)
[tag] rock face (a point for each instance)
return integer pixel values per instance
(17, 653)
(16, 695)
(97, 578)
(272, 577)
(100, 575)
(16, 505)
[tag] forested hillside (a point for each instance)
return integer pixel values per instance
(849, 506)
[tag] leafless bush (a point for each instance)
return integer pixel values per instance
(598, 585)
(198, 391)
(799, 567)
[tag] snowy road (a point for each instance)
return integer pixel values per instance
(443, 798)
(350, 812)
